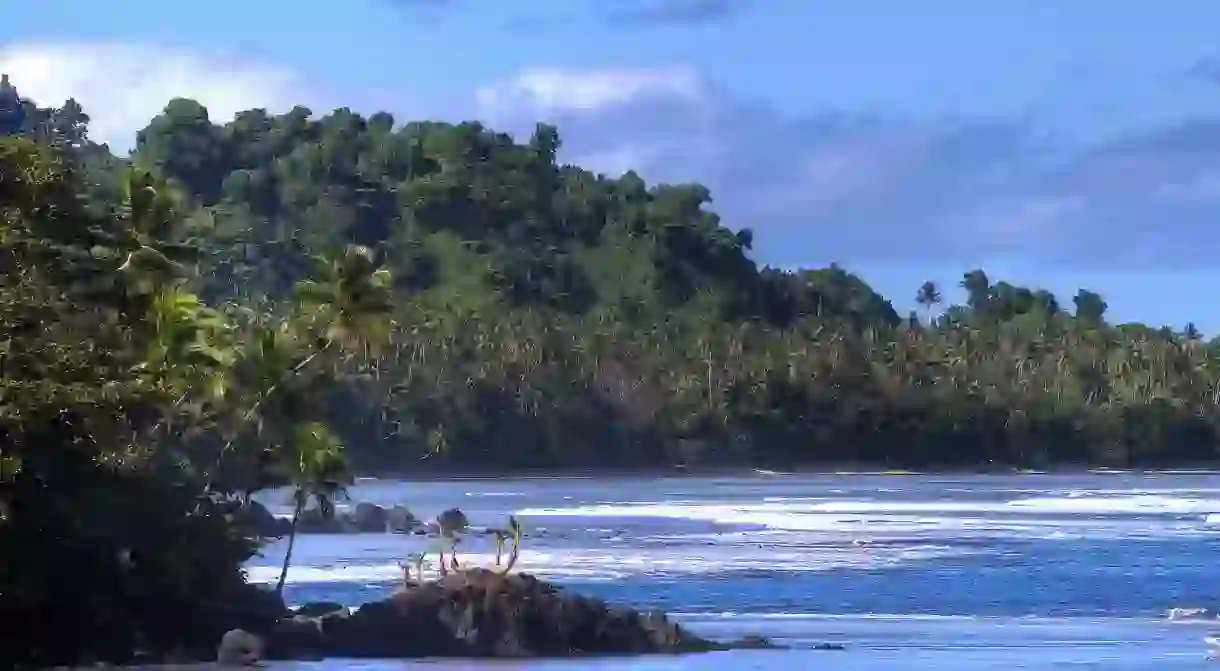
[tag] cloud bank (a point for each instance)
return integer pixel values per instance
(123, 86)
(856, 188)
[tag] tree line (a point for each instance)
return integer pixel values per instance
(231, 305)
(547, 317)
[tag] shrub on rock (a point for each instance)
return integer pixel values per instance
(481, 613)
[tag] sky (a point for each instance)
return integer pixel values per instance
(1061, 144)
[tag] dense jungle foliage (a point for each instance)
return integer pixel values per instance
(550, 317)
(226, 308)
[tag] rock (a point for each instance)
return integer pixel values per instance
(370, 518)
(366, 518)
(479, 613)
(250, 608)
(239, 647)
(298, 638)
(261, 523)
(305, 635)
(313, 522)
(400, 520)
(753, 642)
(829, 646)
(319, 609)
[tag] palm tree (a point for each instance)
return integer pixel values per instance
(319, 473)
(354, 301)
(928, 297)
(414, 560)
(502, 536)
(452, 524)
(148, 211)
(352, 306)
(514, 533)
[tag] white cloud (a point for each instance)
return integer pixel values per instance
(859, 187)
(549, 91)
(616, 161)
(123, 86)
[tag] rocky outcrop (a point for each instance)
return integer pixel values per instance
(479, 613)
(754, 642)
(260, 523)
(314, 609)
(400, 520)
(312, 521)
(370, 518)
(239, 647)
(365, 518)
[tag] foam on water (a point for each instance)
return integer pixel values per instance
(790, 533)
(1075, 503)
(605, 564)
(1121, 505)
(727, 615)
(968, 572)
(1069, 515)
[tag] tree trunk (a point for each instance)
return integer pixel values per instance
(249, 414)
(292, 539)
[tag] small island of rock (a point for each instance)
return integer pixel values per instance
(477, 613)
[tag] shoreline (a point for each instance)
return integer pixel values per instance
(746, 472)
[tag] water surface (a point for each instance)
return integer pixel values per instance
(909, 571)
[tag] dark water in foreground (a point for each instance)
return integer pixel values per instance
(910, 572)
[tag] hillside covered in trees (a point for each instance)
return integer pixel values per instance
(549, 317)
(283, 300)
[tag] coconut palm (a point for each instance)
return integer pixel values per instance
(354, 301)
(446, 530)
(451, 524)
(350, 308)
(928, 297)
(414, 560)
(147, 210)
(514, 532)
(319, 474)
(502, 536)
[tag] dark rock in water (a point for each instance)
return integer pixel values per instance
(239, 647)
(366, 518)
(829, 646)
(297, 637)
(312, 521)
(249, 608)
(370, 518)
(400, 520)
(479, 613)
(306, 634)
(260, 523)
(754, 642)
(453, 521)
(319, 608)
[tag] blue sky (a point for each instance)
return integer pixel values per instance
(1056, 143)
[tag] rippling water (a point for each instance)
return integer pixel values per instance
(909, 571)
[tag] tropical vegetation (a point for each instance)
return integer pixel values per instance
(548, 317)
(226, 308)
